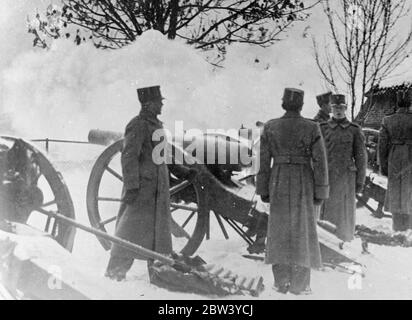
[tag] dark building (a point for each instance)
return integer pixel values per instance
(380, 102)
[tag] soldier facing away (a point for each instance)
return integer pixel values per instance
(347, 159)
(325, 109)
(395, 159)
(293, 184)
(144, 216)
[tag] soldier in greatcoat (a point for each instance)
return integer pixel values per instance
(144, 217)
(395, 159)
(323, 101)
(347, 160)
(293, 177)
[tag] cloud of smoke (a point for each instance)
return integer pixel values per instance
(66, 91)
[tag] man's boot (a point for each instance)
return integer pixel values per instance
(118, 267)
(300, 280)
(281, 275)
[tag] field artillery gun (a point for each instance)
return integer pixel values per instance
(35, 202)
(224, 191)
(212, 193)
(31, 188)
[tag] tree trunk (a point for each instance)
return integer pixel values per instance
(353, 104)
(158, 19)
(174, 5)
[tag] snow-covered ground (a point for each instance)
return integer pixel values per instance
(388, 269)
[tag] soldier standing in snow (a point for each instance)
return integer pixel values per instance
(144, 217)
(347, 159)
(325, 108)
(395, 159)
(293, 184)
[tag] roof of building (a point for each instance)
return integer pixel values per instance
(380, 90)
(385, 92)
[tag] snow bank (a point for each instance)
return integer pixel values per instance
(66, 91)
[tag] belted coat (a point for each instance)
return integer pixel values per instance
(347, 160)
(146, 221)
(395, 159)
(293, 172)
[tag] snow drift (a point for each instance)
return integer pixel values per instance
(69, 89)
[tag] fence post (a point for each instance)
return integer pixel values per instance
(47, 145)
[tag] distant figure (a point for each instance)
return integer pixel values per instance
(144, 217)
(347, 159)
(295, 182)
(395, 159)
(325, 108)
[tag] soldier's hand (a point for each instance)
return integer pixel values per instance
(359, 188)
(265, 198)
(317, 202)
(130, 196)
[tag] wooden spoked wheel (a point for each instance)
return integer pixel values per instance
(51, 193)
(188, 205)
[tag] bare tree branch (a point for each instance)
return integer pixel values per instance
(206, 24)
(367, 44)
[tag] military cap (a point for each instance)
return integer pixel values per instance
(323, 98)
(336, 99)
(149, 94)
(293, 96)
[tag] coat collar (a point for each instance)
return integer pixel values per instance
(148, 116)
(324, 115)
(292, 114)
(333, 124)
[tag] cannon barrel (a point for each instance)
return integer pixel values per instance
(103, 137)
(229, 153)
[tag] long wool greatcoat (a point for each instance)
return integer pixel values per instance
(147, 220)
(347, 160)
(395, 157)
(293, 171)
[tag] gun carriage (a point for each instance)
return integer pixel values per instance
(31, 188)
(221, 190)
(224, 192)
(33, 192)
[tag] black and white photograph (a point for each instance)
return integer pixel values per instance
(206, 155)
